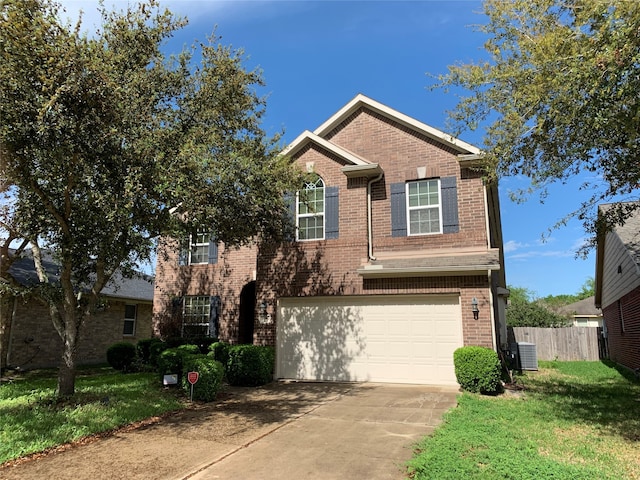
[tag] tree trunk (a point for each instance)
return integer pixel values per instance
(6, 315)
(67, 376)
(70, 336)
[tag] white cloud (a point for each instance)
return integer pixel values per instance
(512, 246)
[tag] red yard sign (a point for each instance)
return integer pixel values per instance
(193, 377)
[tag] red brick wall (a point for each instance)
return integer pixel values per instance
(234, 270)
(330, 267)
(624, 347)
(35, 342)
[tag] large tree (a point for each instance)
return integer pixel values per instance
(559, 93)
(103, 136)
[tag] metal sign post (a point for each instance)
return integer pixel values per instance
(192, 377)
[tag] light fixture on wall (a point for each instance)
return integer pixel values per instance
(474, 308)
(263, 317)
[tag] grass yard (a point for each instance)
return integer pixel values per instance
(573, 420)
(32, 420)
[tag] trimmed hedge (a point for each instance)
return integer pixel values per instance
(220, 352)
(477, 369)
(211, 373)
(250, 365)
(171, 360)
(121, 356)
(144, 349)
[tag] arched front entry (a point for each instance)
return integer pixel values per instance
(247, 313)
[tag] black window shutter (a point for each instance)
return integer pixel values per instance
(213, 250)
(449, 192)
(290, 202)
(183, 256)
(214, 308)
(398, 210)
(331, 212)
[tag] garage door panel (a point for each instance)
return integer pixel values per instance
(408, 339)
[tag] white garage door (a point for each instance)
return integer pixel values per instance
(395, 338)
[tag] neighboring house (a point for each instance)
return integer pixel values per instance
(125, 315)
(618, 290)
(396, 263)
(583, 313)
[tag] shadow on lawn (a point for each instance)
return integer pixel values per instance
(609, 402)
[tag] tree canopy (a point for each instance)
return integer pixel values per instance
(526, 311)
(559, 94)
(103, 137)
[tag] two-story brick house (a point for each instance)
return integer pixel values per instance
(397, 259)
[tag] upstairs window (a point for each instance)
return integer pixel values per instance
(199, 248)
(423, 207)
(310, 211)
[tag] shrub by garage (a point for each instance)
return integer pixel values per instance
(477, 369)
(250, 365)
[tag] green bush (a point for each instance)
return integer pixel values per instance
(477, 369)
(121, 356)
(210, 373)
(171, 360)
(155, 349)
(220, 352)
(250, 365)
(143, 348)
(203, 343)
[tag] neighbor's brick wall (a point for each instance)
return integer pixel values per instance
(36, 344)
(330, 267)
(624, 347)
(235, 268)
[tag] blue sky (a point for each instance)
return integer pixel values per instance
(317, 55)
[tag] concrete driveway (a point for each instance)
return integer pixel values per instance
(280, 431)
(364, 432)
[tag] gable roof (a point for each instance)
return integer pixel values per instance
(139, 288)
(584, 307)
(465, 150)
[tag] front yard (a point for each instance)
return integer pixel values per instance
(33, 420)
(573, 420)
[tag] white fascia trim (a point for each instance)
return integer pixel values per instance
(307, 137)
(357, 171)
(379, 271)
(360, 100)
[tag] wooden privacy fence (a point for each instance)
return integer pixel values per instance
(570, 343)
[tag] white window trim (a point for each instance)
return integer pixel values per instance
(201, 324)
(312, 215)
(409, 209)
(127, 319)
(197, 245)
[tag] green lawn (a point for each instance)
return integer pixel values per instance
(31, 419)
(574, 420)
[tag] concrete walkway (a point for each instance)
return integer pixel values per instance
(280, 431)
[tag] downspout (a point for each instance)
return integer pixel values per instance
(369, 215)
(494, 337)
